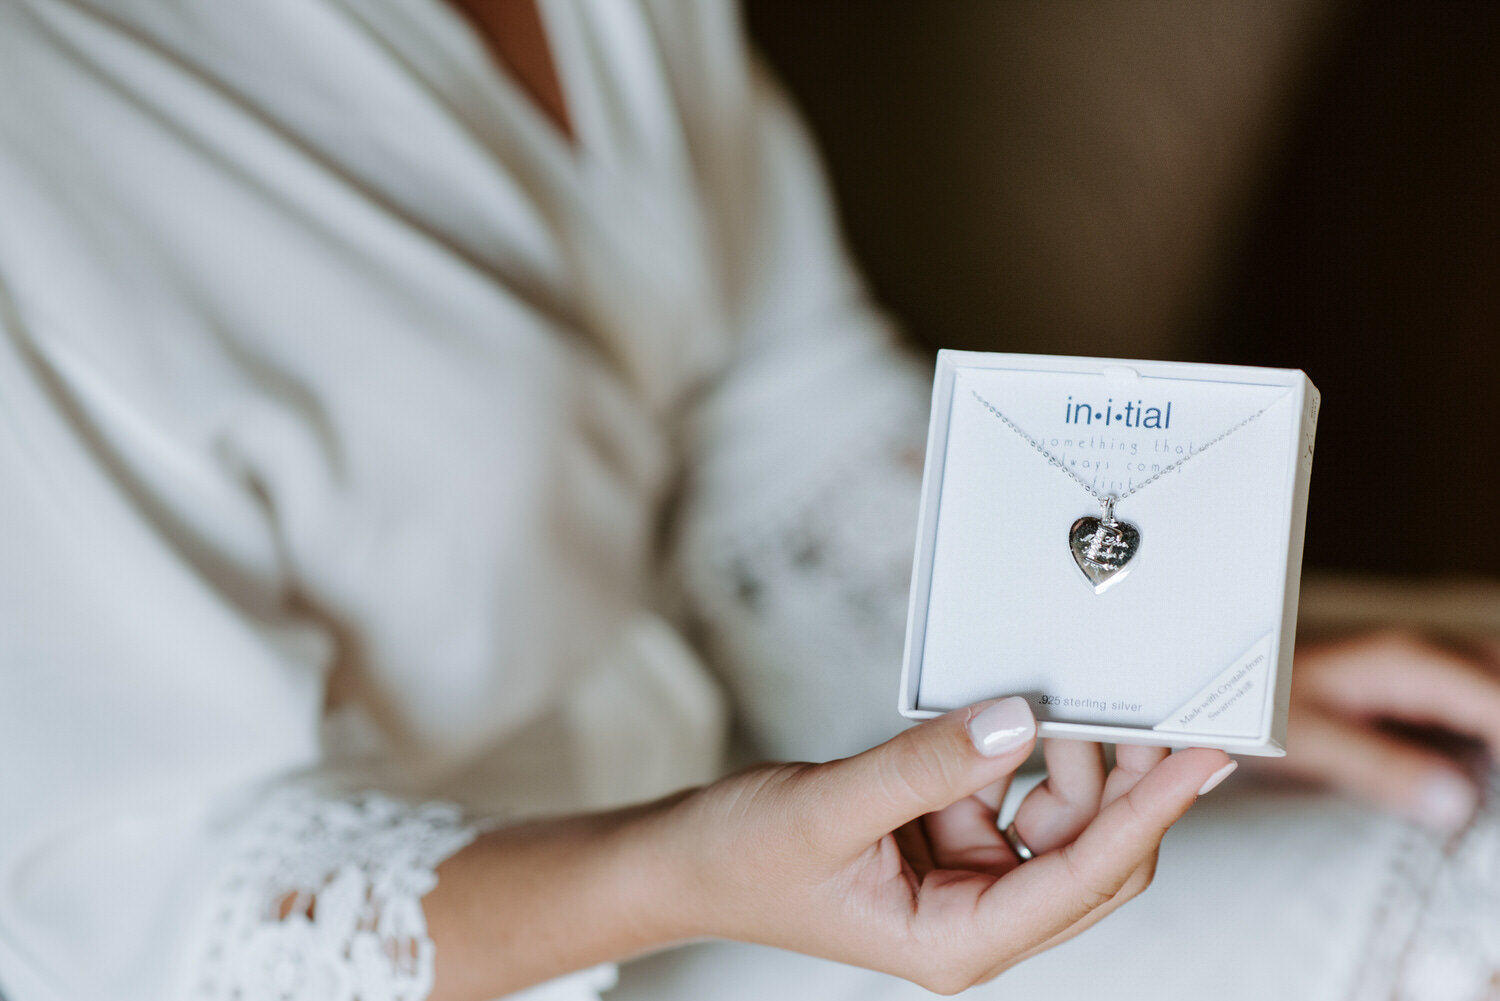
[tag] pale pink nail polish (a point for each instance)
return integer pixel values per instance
(1217, 777)
(1003, 726)
(1444, 802)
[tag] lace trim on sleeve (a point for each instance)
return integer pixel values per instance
(800, 600)
(1435, 936)
(324, 901)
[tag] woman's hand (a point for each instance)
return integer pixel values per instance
(892, 859)
(1345, 698)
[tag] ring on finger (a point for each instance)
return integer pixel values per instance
(1017, 843)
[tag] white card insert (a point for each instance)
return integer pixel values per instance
(999, 603)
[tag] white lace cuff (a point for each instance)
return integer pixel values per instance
(323, 902)
(1435, 935)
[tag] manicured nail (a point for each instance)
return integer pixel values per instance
(1217, 777)
(1003, 726)
(1444, 801)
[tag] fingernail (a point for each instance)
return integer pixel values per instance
(1217, 777)
(1445, 802)
(1003, 726)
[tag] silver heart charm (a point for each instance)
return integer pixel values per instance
(1103, 549)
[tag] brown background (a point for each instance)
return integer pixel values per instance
(1308, 184)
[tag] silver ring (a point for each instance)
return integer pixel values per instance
(1013, 838)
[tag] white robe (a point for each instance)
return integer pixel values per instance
(324, 356)
(341, 399)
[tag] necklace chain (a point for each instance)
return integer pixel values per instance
(1055, 461)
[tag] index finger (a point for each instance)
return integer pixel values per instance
(1052, 892)
(1419, 682)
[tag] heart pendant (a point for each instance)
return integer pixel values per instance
(1103, 550)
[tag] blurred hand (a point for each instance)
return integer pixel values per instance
(892, 859)
(1359, 707)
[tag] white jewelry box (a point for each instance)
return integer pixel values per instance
(1023, 585)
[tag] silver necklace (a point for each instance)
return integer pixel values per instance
(1103, 547)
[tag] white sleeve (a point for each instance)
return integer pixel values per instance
(798, 520)
(150, 834)
(254, 421)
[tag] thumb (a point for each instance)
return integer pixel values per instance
(928, 767)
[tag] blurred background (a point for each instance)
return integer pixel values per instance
(1310, 184)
